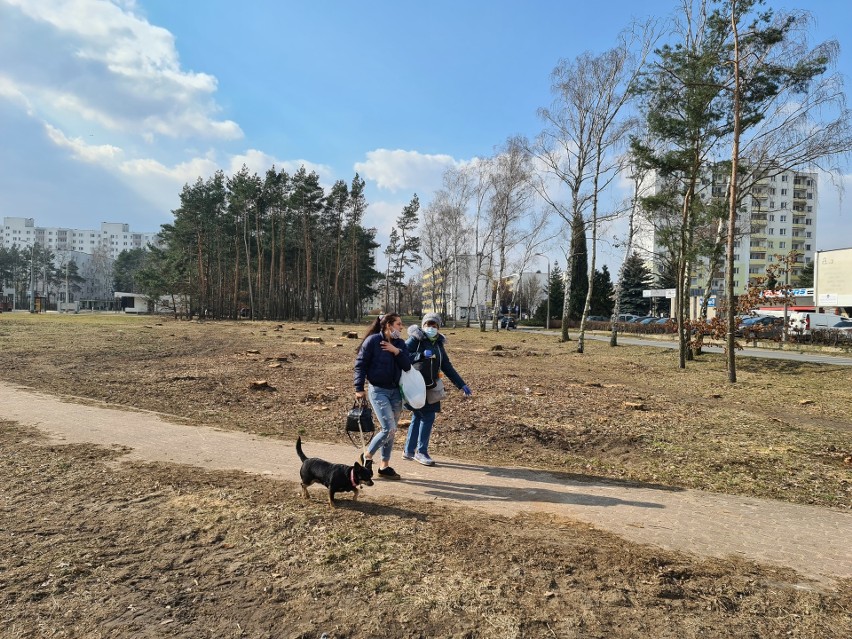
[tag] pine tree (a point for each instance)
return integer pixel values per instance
(637, 277)
(602, 302)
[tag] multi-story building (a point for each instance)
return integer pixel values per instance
(111, 239)
(777, 215)
(457, 288)
(461, 292)
(93, 252)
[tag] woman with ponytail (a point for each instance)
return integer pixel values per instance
(381, 359)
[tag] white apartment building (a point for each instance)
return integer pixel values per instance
(112, 238)
(468, 293)
(777, 216)
(459, 288)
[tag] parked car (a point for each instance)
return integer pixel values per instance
(844, 325)
(761, 326)
(646, 320)
(803, 322)
(508, 322)
(597, 318)
(664, 320)
(627, 317)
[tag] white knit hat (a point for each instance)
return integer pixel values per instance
(431, 317)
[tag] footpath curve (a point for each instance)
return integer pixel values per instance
(813, 541)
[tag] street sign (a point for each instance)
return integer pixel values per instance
(660, 292)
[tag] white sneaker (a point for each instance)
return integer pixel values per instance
(424, 459)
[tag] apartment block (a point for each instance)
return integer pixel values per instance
(778, 214)
(111, 239)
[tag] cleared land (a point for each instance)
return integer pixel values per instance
(99, 549)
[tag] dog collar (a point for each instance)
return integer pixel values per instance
(352, 478)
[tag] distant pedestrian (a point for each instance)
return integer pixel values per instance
(381, 359)
(427, 348)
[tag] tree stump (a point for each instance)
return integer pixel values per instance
(261, 384)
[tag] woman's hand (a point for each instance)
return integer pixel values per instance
(387, 346)
(360, 395)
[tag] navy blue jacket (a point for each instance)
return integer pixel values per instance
(417, 343)
(380, 368)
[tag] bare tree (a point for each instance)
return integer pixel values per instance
(582, 128)
(511, 199)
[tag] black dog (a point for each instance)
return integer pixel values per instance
(337, 478)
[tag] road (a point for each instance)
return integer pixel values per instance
(764, 353)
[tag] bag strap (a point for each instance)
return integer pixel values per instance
(359, 402)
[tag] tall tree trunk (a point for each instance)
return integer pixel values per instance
(730, 354)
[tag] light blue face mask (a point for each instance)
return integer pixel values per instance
(431, 331)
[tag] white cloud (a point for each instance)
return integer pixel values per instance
(116, 70)
(405, 170)
(260, 162)
(105, 154)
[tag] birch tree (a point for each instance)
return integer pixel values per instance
(575, 147)
(511, 198)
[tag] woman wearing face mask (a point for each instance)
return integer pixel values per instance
(381, 358)
(428, 352)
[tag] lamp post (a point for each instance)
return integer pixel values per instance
(547, 317)
(32, 279)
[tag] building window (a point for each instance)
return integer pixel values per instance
(783, 191)
(771, 218)
(808, 234)
(771, 231)
(808, 221)
(810, 209)
(807, 247)
(784, 178)
(810, 195)
(782, 231)
(783, 205)
(783, 218)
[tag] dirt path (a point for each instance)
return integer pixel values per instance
(813, 541)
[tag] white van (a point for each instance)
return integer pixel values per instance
(803, 322)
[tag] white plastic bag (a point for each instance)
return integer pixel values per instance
(413, 388)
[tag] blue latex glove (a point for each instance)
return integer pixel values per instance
(466, 390)
(427, 353)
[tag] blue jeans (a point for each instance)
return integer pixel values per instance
(419, 432)
(387, 406)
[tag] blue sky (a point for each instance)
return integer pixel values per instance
(108, 108)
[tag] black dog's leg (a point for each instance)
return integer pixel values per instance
(331, 498)
(355, 493)
(305, 490)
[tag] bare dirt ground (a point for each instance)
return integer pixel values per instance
(90, 547)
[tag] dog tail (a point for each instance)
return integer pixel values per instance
(302, 455)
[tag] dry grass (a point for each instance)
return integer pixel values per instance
(782, 431)
(92, 549)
